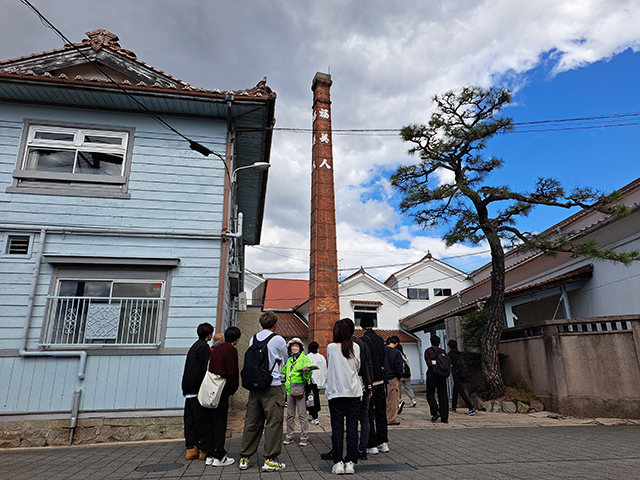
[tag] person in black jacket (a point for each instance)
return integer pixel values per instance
(393, 366)
(195, 415)
(378, 431)
(439, 410)
(459, 378)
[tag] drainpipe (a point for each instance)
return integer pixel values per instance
(81, 354)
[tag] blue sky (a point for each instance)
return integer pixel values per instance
(563, 59)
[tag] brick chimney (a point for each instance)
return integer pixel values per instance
(324, 306)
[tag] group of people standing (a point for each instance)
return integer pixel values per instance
(361, 378)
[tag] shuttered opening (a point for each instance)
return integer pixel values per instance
(18, 245)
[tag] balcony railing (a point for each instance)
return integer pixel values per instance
(102, 321)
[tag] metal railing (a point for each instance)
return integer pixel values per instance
(102, 321)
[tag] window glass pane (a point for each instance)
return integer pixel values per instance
(48, 160)
(58, 136)
(423, 293)
(102, 140)
(99, 163)
(74, 288)
(137, 290)
(412, 293)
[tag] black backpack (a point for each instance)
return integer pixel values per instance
(406, 370)
(256, 374)
(442, 366)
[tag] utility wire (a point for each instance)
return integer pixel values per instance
(192, 144)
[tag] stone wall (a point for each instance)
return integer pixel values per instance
(42, 433)
(579, 367)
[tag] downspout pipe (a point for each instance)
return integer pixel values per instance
(81, 354)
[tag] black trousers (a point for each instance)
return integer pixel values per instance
(459, 389)
(344, 409)
(442, 406)
(378, 430)
(196, 420)
(313, 411)
(216, 425)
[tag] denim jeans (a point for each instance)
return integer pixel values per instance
(341, 409)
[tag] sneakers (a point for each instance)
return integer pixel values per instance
(435, 418)
(471, 412)
(338, 468)
(413, 403)
(349, 468)
(383, 448)
(272, 465)
(400, 407)
(243, 463)
(394, 423)
(362, 455)
(223, 462)
(315, 421)
(372, 450)
(208, 461)
(287, 441)
(192, 453)
(452, 409)
(303, 443)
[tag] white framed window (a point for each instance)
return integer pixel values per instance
(64, 159)
(359, 310)
(418, 293)
(118, 306)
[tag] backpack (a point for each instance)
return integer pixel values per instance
(406, 371)
(256, 374)
(442, 365)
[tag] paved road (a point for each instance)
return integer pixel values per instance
(536, 452)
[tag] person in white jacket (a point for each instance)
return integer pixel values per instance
(344, 393)
(318, 380)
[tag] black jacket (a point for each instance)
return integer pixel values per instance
(195, 367)
(377, 347)
(454, 357)
(393, 363)
(366, 369)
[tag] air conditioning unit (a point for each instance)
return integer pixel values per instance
(242, 302)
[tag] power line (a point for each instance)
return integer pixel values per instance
(192, 144)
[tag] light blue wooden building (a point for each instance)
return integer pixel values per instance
(126, 199)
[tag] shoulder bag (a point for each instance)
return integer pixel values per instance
(211, 389)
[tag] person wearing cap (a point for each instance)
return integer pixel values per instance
(296, 370)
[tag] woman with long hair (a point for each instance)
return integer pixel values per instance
(344, 393)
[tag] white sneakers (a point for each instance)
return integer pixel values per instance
(315, 421)
(372, 451)
(349, 468)
(383, 448)
(338, 468)
(341, 468)
(223, 462)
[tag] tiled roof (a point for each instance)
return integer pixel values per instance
(402, 335)
(103, 39)
(290, 325)
(282, 293)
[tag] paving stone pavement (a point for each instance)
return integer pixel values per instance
(516, 452)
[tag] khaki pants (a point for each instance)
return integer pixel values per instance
(265, 411)
(393, 398)
(299, 406)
